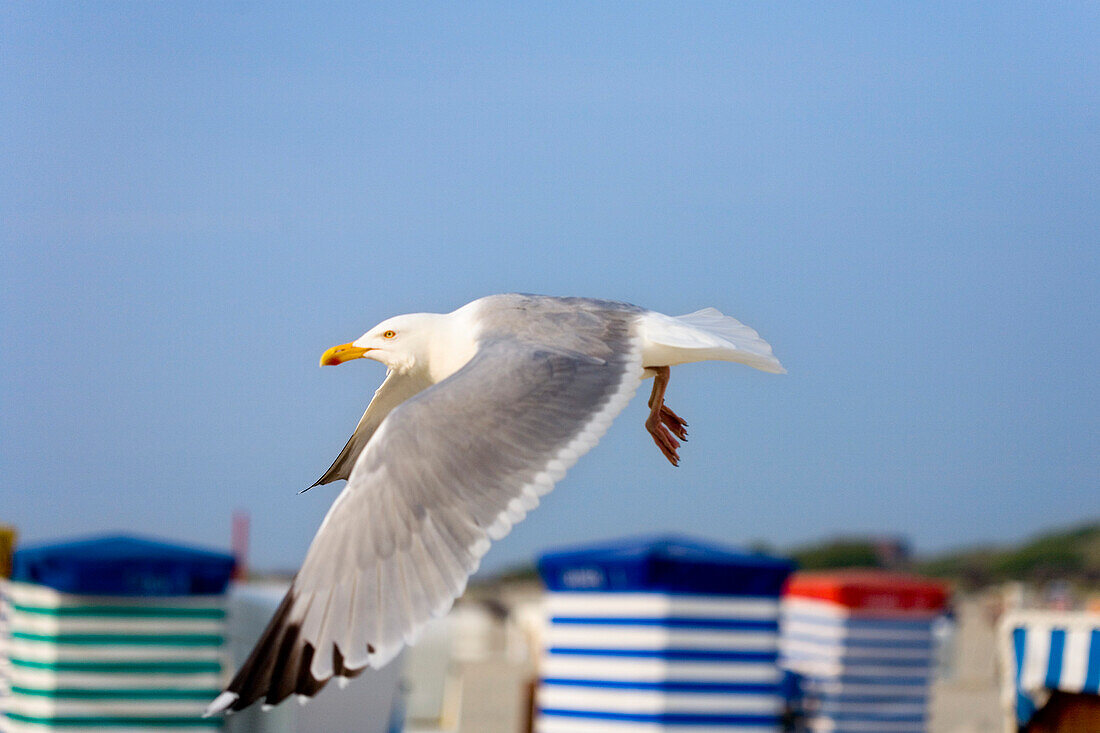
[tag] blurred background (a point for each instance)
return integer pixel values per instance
(198, 199)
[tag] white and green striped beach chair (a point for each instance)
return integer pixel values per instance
(100, 663)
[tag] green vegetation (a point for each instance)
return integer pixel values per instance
(838, 553)
(1071, 554)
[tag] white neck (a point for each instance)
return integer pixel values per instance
(453, 343)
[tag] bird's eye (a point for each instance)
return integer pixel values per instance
(389, 334)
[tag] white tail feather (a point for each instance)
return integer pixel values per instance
(704, 335)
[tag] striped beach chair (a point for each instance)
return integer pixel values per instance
(660, 634)
(1043, 652)
(139, 661)
(5, 664)
(862, 647)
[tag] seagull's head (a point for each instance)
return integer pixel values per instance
(401, 343)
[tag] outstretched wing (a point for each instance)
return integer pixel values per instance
(394, 390)
(450, 468)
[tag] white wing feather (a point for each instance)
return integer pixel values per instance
(411, 566)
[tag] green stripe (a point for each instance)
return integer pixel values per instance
(82, 693)
(105, 721)
(121, 667)
(124, 639)
(124, 611)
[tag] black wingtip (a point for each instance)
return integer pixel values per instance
(278, 667)
(319, 482)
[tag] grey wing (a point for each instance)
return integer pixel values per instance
(394, 390)
(449, 469)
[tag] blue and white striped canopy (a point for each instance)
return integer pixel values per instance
(1052, 651)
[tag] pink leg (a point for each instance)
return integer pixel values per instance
(662, 422)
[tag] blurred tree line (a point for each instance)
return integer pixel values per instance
(1070, 554)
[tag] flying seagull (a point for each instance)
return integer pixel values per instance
(481, 412)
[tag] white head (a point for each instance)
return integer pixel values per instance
(402, 343)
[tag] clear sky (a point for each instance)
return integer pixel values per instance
(197, 199)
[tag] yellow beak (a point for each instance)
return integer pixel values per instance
(340, 354)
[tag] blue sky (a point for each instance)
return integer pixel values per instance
(198, 199)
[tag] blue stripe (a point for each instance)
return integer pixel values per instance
(917, 696)
(667, 718)
(698, 655)
(1019, 644)
(918, 728)
(1054, 660)
(872, 680)
(735, 688)
(671, 622)
(880, 707)
(863, 643)
(878, 717)
(866, 624)
(853, 661)
(1025, 708)
(1092, 676)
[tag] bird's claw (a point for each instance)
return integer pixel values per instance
(664, 439)
(676, 424)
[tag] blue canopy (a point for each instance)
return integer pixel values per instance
(668, 564)
(122, 565)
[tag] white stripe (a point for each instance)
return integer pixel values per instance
(549, 724)
(38, 624)
(834, 652)
(44, 707)
(1075, 660)
(822, 668)
(812, 607)
(836, 612)
(1036, 657)
(659, 605)
(635, 637)
(50, 679)
(842, 633)
(656, 670)
(827, 725)
(30, 594)
(42, 651)
(879, 708)
(813, 686)
(647, 702)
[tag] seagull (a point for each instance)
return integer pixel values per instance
(481, 412)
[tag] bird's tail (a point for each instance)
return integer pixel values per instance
(748, 347)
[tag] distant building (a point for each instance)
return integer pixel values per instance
(892, 552)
